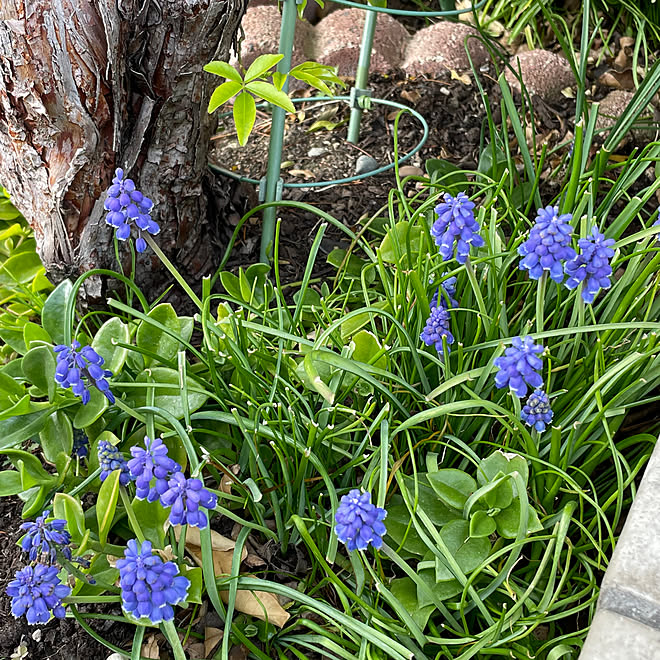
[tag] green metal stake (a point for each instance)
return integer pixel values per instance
(287, 32)
(360, 90)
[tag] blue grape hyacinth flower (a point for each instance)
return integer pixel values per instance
(591, 267)
(437, 327)
(456, 224)
(111, 459)
(185, 496)
(77, 368)
(150, 587)
(537, 412)
(148, 463)
(359, 522)
(549, 244)
(125, 204)
(45, 538)
(449, 287)
(37, 593)
(519, 365)
(80, 444)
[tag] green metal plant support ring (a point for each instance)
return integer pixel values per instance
(357, 177)
(411, 12)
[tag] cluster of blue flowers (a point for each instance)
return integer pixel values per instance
(591, 267)
(45, 538)
(548, 249)
(457, 225)
(437, 328)
(77, 368)
(359, 522)
(537, 412)
(150, 586)
(125, 204)
(80, 444)
(37, 592)
(170, 486)
(519, 366)
(449, 291)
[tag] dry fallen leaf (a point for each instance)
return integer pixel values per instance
(212, 637)
(464, 78)
(308, 174)
(412, 96)
(150, 648)
(196, 651)
(261, 604)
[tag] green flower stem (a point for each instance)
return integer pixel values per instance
(91, 599)
(135, 525)
(175, 273)
(168, 629)
(477, 292)
(540, 302)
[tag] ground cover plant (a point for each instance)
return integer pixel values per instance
(438, 435)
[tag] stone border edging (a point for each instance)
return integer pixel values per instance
(627, 621)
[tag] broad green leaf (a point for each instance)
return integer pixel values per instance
(52, 315)
(499, 496)
(34, 500)
(453, 487)
(223, 69)
(9, 388)
(154, 339)
(169, 398)
(467, 552)
(504, 462)
(33, 333)
(21, 407)
(399, 528)
(261, 65)
(104, 575)
(245, 112)
(231, 284)
(271, 94)
(187, 326)
(441, 590)
(446, 173)
(69, 508)
(194, 574)
(107, 503)
(152, 517)
(222, 94)
(38, 366)
(29, 466)
(507, 521)
(405, 591)
(105, 344)
(398, 240)
(428, 501)
(13, 337)
(20, 268)
(481, 524)
(92, 410)
(10, 483)
(366, 348)
(15, 430)
(56, 436)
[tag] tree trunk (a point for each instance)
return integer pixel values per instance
(90, 85)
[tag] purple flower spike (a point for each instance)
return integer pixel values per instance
(37, 593)
(111, 459)
(456, 224)
(519, 365)
(437, 327)
(549, 244)
(591, 267)
(185, 496)
(77, 368)
(126, 205)
(449, 287)
(150, 587)
(537, 412)
(45, 538)
(359, 522)
(151, 463)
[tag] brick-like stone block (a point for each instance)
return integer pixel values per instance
(543, 72)
(261, 24)
(438, 49)
(614, 105)
(339, 35)
(616, 637)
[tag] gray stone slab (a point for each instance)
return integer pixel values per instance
(616, 637)
(634, 571)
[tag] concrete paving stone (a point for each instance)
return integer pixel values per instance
(616, 637)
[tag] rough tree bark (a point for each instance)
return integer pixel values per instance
(90, 85)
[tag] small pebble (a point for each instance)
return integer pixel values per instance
(317, 152)
(411, 170)
(366, 164)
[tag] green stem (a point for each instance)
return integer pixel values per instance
(477, 292)
(168, 629)
(175, 273)
(540, 302)
(92, 599)
(131, 514)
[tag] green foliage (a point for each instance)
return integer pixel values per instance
(252, 85)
